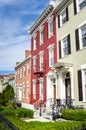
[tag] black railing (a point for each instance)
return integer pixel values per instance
(8, 123)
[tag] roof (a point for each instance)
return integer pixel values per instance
(41, 18)
(23, 62)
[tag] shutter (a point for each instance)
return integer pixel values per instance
(80, 85)
(77, 39)
(58, 21)
(69, 45)
(67, 14)
(75, 7)
(59, 49)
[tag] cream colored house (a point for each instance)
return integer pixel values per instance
(71, 68)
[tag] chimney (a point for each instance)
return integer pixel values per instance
(27, 53)
(17, 63)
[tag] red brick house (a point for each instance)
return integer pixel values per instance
(44, 56)
(23, 80)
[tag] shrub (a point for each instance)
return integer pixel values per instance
(76, 115)
(8, 112)
(22, 112)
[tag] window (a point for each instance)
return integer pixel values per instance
(79, 5)
(41, 60)
(50, 27)
(63, 17)
(24, 70)
(34, 44)
(28, 68)
(34, 64)
(80, 36)
(20, 73)
(64, 47)
(41, 89)
(84, 84)
(83, 36)
(51, 55)
(34, 89)
(82, 4)
(41, 35)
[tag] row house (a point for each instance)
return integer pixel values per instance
(71, 43)
(23, 80)
(43, 57)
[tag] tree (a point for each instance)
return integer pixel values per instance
(6, 95)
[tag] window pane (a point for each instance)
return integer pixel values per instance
(82, 3)
(65, 46)
(64, 19)
(83, 33)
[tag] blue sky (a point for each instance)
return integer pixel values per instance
(16, 17)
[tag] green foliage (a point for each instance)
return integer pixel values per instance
(36, 125)
(76, 115)
(6, 95)
(22, 112)
(18, 112)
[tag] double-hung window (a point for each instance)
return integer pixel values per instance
(34, 64)
(83, 36)
(51, 55)
(34, 89)
(50, 27)
(79, 5)
(80, 36)
(64, 47)
(41, 55)
(41, 89)
(63, 17)
(34, 42)
(41, 35)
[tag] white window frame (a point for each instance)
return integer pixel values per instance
(84, 84)
(50, 28)
(41, 55)
(41, 89)
(81, 37)
(34, 41)
(61, 17)
(78, 5)
(62, 47)
(34, 63)
(51, 55)
(34, 89)
(41, 34)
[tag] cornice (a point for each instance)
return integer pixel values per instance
(61, 6)
(41, 18)
(22, 63)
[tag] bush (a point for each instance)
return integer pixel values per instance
(8, 112)
(19, 112)
(22, 112)
(76, 115)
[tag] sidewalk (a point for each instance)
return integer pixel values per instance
(42, 119)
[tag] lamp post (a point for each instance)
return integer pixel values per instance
(40, 113)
